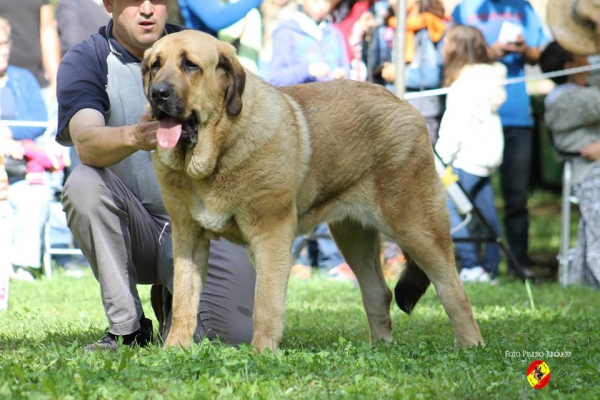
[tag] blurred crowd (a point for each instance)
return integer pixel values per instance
(479, 128)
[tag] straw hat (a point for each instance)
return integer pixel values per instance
(572, 31)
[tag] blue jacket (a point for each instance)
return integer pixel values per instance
(29, 104)
(295, 49)
(211, 16)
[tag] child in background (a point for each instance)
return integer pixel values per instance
(308, 48)
(471, 139)
(573, 116)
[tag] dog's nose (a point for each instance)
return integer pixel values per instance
(161, 92)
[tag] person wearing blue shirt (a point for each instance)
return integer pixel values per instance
(514, 33)
(21, 100)
(308, 48)
(211, 16)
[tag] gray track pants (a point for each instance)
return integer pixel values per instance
(126, 245)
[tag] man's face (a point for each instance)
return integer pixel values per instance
(138, 23)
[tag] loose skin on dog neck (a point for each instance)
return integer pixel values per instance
(259, 165)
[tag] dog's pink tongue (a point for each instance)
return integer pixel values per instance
(169, 131)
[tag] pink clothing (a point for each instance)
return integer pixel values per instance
(39, 161)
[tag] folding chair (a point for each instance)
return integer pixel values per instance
(56, 216)
(54, 208)
(567, 199)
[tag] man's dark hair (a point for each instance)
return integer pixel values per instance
(553, 58)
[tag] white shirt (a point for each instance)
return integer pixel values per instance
(470, 134)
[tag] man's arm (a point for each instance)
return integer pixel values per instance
(101, 146)
(591, 152)
(50, 43)
(218, 16)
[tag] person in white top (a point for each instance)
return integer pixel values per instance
(471, 139)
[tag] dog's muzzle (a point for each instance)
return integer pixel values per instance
(174, 126)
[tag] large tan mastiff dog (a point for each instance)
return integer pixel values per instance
(239, 158)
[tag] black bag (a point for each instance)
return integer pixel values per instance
(15, 169)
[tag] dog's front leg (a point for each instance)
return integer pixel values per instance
(190, 262)
(273, 263)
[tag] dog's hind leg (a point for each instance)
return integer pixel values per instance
(429, 244)
(360, 247)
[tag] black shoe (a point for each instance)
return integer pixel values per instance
(141, 338)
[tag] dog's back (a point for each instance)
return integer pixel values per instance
(361, 136)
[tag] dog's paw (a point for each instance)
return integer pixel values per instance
(177, 341)
(264, 346)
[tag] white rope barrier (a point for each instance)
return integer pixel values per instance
(511, 81)
(410, 95)
(32, 124)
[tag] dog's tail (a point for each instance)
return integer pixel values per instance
(411, 285)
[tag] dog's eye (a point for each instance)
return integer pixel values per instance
(189, 66)
(155, 65)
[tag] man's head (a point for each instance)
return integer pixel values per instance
(138, 23)
(556, 58)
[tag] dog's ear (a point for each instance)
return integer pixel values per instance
(237, 81)
(146, 71)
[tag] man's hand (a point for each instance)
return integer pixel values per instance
(319, 70)
(518, 46)
(388, 73)
(145, 132)
(498, 50)
(12, 148)
(5, 132)
(338, 73)
(591, 152)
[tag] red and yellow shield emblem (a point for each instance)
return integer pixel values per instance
(538, 374)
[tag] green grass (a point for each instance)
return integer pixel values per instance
(325, 352)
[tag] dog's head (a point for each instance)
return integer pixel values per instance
(191, 79)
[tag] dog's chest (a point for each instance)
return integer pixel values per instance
(210, 214)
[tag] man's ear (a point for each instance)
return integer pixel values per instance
(237, 81)
(108, 5)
